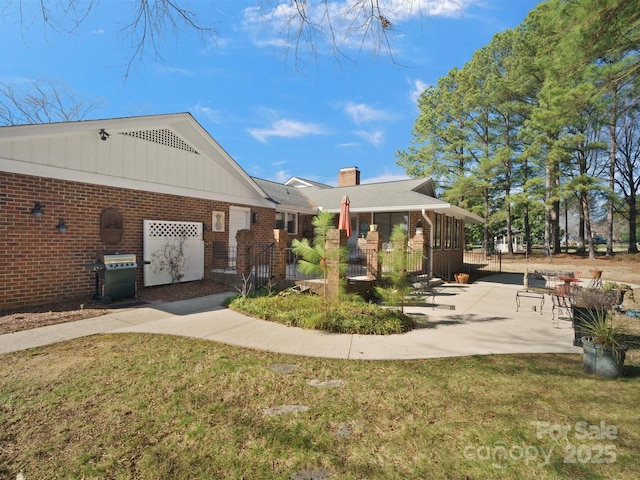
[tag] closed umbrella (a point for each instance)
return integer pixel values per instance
(344, 221)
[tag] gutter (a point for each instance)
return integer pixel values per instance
(428, 220)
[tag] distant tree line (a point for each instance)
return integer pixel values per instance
(544, 117)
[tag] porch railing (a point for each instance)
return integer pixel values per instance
(263, 264)
(224, 256)
(481, 260)
(358, 261)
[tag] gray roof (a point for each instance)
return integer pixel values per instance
(398, 196)
(304, 182)
(287, 198)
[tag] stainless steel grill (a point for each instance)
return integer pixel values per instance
(119, 276)
(118, 261)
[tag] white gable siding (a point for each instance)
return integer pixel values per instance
(129, 162)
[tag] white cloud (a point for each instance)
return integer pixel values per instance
(418, 87)
(375, 138)
(164, 68)
(386, 177)
(360, 113)
(285, 21)
(280, 176)
(403, 10)
(286, 128)
(348, 145)
(212, 115)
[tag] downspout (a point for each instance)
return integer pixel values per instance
(428, 220)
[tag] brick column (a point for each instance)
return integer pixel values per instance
(280, 255)
(244, 239)
(336, 239)
(419, 244)
(374, 247)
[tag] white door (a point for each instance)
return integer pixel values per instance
(239, 219)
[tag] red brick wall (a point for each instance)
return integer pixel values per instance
(39, 265)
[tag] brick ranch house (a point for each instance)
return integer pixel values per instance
(411, 203)
(114, 184)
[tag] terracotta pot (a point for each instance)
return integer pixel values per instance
(595, 273)
(462, 277)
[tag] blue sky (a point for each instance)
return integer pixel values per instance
(276, 113)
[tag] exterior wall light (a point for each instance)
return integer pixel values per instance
(419, 229)
(37, 211)
(61, 226)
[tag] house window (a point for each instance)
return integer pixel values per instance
(456, 235)
(448, 234)
(386, 222)
(437, 232)
(287, 221)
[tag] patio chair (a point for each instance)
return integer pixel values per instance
(562, 306)
(534, 284)
(424, 288)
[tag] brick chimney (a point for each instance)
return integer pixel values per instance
(348, 177)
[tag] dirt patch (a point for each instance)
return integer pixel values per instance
(619, 268)
(82, 308)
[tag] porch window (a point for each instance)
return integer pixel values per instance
(456, 235)
(287, 221)
(448, 234)
(437, 232)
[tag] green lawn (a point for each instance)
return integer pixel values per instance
(143, 406)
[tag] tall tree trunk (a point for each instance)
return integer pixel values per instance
(507, 184)
(487, 246)
(581, 234)
(555, 219)
(584, 202)
(527, 230)
(547, 211)
(633, 223)
(525, 212)
(612, 168)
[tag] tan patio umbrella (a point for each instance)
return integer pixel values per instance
(344, 221)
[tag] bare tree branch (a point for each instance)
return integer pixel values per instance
(152, 20)
(40, 102)
(305, 25)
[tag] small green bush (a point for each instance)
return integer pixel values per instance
(349, 314)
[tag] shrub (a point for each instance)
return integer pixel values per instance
(351, 314)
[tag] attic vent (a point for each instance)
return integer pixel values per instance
(162, 136)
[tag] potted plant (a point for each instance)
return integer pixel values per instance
(462, 278)
(619, 289)
(587, 304)
(595, 274)
(605, 345)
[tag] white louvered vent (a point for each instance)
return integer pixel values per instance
(163, 136)
(174, 229)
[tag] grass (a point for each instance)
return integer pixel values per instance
(148, 407)
(350, 315)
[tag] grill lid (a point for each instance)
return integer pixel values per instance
(118, 260)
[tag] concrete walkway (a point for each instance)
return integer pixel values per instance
(475, 319)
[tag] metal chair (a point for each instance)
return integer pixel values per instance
(562, 306)
(424, 288)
